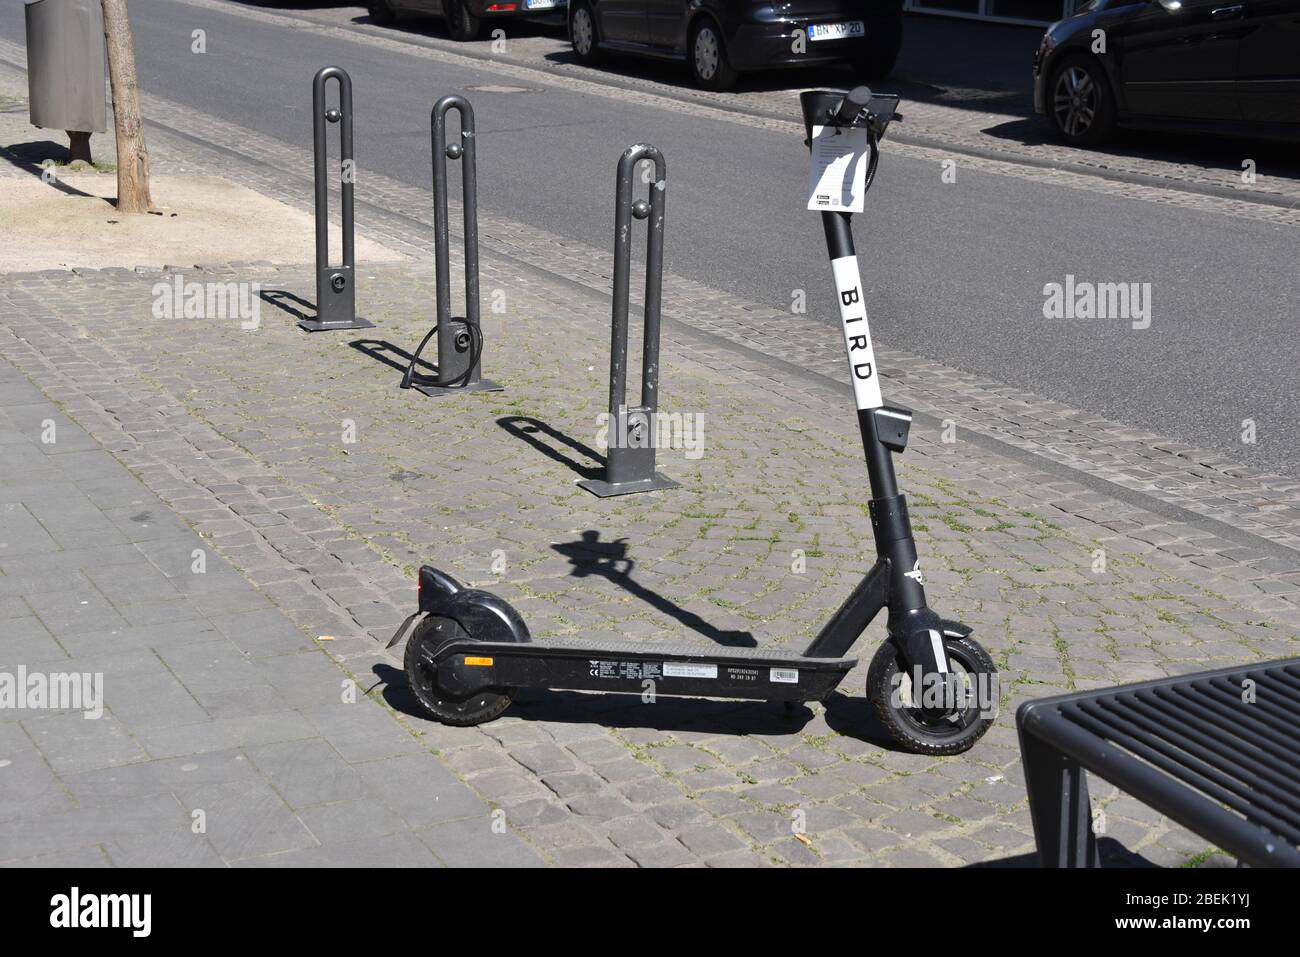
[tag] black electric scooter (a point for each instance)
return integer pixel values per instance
(930, 682)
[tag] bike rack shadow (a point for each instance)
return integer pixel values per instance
(395, 357)
(609, 560)
(281, 299)
(526, 427)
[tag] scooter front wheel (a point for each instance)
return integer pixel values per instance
(947, 718)
(422, 676)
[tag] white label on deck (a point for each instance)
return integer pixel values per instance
(681, 669)
(784, 676)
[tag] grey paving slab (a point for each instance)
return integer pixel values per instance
(396, 850)
(470, 844)
(245, 819)
(422, 792)
(352, 820)
(75, 741)
(219, 715)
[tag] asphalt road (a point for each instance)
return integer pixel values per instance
(955, 272)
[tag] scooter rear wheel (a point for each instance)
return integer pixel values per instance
(930, 730)
(422, 676)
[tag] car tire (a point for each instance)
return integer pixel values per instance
(381, 14)
(1079, 101)
(707, 56)
(583, 34)
(884, 40)
(461, 24)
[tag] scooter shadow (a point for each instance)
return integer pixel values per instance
(849, 716)
(591, 556)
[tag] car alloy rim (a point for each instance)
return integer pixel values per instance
(1075, 101)
(706, 53)
(582, 32)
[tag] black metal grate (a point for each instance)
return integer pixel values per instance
(1219, 752)
(1207, 733)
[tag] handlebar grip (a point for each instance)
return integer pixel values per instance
(853, 103)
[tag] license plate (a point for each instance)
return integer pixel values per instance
(835, 31)
(539, 4)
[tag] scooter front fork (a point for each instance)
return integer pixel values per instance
(913, 627)
(916, 630)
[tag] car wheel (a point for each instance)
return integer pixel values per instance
(461, 24)
(1080, 103)
(582, 33)
(380, 12)
(707, 55)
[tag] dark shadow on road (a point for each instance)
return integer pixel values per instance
(528, 428)
(430, 25)
(547, 25)
(1225, 153)
(609, 560)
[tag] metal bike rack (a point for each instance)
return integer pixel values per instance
(630, 458)
(460, 340)
(336, 300)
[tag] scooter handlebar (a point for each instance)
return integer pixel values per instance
(854, 102)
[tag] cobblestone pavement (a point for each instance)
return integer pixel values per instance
(300, 461)
(220, 734)
(951, 121)
(1209, 508)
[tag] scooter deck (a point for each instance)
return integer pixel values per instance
(639, 667)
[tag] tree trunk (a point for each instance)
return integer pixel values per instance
(78, 147)
(132, 155)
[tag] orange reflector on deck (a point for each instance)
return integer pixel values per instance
(478, 661)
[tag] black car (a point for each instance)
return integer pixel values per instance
(464, 17)
(1223, 66)
(720, 38)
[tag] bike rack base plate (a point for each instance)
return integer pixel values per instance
(482, 385)
(316, 325)
(605, 489)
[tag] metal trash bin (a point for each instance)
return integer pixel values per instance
(65, 65)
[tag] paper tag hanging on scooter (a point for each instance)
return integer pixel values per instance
(838, 176)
